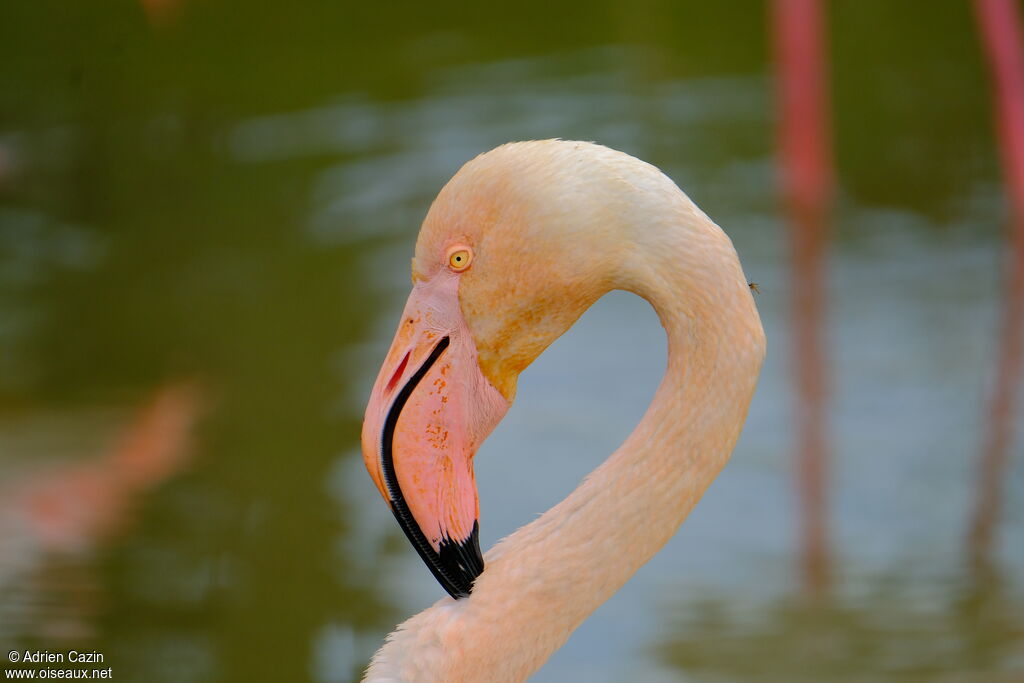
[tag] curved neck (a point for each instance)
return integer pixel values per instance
(543, 580)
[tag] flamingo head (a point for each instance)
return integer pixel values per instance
(513, 250)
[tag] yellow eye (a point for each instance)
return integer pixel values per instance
(459, 258)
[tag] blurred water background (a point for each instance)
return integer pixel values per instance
(207, 211)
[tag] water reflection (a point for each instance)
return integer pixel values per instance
(54, 516)
(885, 628)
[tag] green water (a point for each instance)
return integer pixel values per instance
(230, 198)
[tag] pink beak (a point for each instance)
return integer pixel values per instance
(430, 409)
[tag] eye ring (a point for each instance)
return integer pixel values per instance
(459, 258)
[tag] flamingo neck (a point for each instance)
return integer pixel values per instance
(545, 579)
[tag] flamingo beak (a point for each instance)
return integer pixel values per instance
(429, 410)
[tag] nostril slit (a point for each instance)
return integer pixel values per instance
(398, 374)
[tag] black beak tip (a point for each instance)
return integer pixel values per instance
(458, 563)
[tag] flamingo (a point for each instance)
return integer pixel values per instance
(518, 244)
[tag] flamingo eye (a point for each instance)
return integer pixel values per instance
(459, 258)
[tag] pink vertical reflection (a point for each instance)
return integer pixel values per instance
(162, 13)
(999, 23)
(806, 166)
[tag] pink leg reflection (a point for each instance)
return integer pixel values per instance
(999, 22)
(806, 165)
(162, 13)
